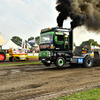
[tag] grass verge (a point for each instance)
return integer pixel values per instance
(25, 63)
(33, 56)
(93, 94)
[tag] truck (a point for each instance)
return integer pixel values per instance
(56, 47)
(2, 55)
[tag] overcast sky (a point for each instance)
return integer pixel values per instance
(26, 18)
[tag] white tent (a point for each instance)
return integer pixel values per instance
(10, 44)
(2, 41)
(35, 44)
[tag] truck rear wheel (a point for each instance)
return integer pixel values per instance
(60, 61)
(88, 62)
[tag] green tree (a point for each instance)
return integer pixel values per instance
(89, 42)
(31, 38)
(37, 40)
(17, 40)
(74, 44)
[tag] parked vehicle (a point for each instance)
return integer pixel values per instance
(2, 55)
(16, 55)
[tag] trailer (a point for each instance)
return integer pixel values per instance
(84, 57)
(17, 55)
(56, 46)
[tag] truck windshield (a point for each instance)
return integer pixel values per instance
(46, 38)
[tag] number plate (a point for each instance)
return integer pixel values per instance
(22, 57)
(80, 60)
(74, 60)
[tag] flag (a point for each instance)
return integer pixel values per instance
(26, 45)
(32, 41)
(23, 45)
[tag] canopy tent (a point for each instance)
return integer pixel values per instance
(32, 41)
(10, 44)
(2, 41)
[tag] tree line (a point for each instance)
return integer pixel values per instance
(19, 41)
(89, 43)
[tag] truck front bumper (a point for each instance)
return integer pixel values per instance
(46, 59)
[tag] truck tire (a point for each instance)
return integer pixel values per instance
(2, 56)
(46, 64)
(88, 62)
(60, 61)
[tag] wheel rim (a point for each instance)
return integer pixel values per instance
(60, 62)
(14, 59)
(88, 62)
(1, 57)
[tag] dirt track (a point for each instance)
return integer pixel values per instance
(41, 83)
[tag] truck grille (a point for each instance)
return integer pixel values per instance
(44, 53)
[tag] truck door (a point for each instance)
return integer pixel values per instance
(59, 41)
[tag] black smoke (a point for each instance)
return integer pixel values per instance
(82, 12)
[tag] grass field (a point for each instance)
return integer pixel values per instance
(93, 94)
(33, 56)
(27, 63)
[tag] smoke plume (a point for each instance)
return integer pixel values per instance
(82, 12)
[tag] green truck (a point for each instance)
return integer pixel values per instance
(56, 46)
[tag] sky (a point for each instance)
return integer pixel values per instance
(26, 18)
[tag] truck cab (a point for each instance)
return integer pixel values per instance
(56, 46)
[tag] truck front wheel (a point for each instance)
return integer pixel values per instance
(60, 61)
(88, 62)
